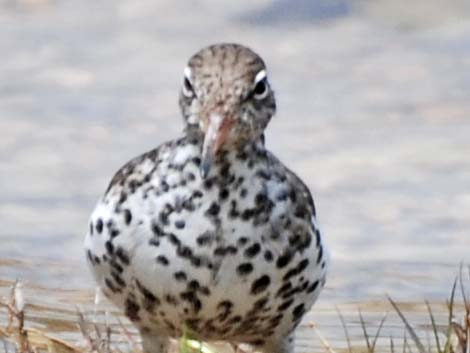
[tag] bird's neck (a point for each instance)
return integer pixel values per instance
(250, 148)
(248, 151)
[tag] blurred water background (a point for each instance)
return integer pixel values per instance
(373, 113)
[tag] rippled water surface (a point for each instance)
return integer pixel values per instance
(374, 114)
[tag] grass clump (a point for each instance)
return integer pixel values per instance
(450, 336)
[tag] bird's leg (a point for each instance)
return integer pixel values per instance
(154, 344)
(279, 345)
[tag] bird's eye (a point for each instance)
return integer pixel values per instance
(261, 89)
(188, 89)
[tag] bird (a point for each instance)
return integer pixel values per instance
(209, 235)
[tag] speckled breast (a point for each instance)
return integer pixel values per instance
(235, 255)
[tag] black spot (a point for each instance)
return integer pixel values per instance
(257, 342)
(122, 198)
(276, 320)
(301, 211)
(154, 242)
(188, 205)
(312, 287)
(317, 237)
(205, 239)
(225, 305)
(260, 284)
(223, 194)
(289, 274)
(244, 269)
(320, 254)
(242, 241)
(196, 261)
(260, 304)
(113, 233)
(298, 311)
(285, 288)
(242, 155)
(234, 320)
(180, 224)
(302, 265)
(252, 250)
(149, 297)
(184, 251)
(197, 194)
(284, 260)
(193, 285)
(282, 196)
(204, 290)
(192, 323)
(161, 259)
(285, 305)
(163, 218)
(197, 161)
(220, 251)
(231, 250)
(118, 279)
(127, 216)
(247, 214)
(180, 276)
(243, 193)
(111, 286)
(123, 256)
(90, 257)
(157, 230)
(191, 176)
(109, 247)
(263, 174)
(171, 299)
(164, 186)
(268, 255)
(174, 239)
(91, 228)
(99, 225)
(294, 239)
(261, 198)
(293, 195)
(208, 183)
(191, 297)
(213, 210)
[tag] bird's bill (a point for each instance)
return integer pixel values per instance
(216, 134)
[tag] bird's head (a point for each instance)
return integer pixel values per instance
(226, 97)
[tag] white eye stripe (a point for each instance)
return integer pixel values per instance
(260, 76)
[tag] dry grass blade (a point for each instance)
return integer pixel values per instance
(322, 339)
(409, 328)
(462, 288)
(405, 343)
(392, 345)
(434, 327)
(27, 340)
(364, 330)
(463, 331)
(130, 340)
(376, 337)
(450, 306)
(82, 325)
(345, 328)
